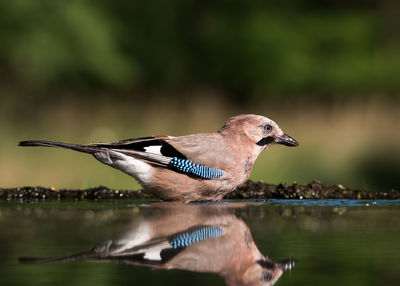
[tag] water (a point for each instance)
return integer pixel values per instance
(335, 242)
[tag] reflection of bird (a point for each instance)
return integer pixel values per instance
(199, 167)
(200, 238)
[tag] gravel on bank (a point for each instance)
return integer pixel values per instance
(250, 190)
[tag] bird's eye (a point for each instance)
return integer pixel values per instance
(268, 128)
(267, 276)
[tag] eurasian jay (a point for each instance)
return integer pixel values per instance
(199, 238)
(198, 167)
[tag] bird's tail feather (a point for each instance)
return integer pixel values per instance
(72, 257)
(76, 147)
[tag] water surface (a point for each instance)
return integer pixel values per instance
(335, 242)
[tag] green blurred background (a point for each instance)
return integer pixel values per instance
(328, 72)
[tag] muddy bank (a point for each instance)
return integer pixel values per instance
(313, 190)
(250, 190)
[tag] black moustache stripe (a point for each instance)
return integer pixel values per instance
(266, 141)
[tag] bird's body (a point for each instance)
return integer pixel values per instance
(198, 167)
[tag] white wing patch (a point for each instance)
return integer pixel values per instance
(156, 149)
(154, 252)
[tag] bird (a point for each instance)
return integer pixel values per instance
(206, 238)
(197, 167)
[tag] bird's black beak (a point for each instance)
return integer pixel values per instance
(286, 140)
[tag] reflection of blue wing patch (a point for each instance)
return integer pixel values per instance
(186, 238)
(189, 167)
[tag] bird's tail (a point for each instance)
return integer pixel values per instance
(72, 257)
(76, 147)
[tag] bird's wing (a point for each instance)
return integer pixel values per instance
(154, 253)
(151, 144)
(208, 149)
(159, 251)
(182, 154)
(154, 149)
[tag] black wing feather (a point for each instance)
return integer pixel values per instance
(139, 144)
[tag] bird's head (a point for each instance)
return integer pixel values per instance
(259, 130)
(266, 272)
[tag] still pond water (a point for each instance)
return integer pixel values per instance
(324, 242)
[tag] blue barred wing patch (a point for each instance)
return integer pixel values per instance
(189, 167)
(187, 238)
